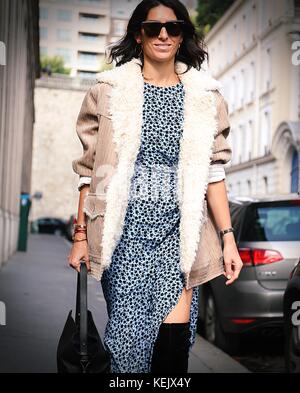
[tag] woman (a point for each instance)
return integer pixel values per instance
(159, 121)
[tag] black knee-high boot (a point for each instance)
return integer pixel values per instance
(171, 349)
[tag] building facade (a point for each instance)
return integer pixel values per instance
(19, 67)
(255, 51)
(81, 30)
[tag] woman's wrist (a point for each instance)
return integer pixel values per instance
(228, 238)
(79, 235)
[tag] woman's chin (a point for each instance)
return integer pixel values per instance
(161, 57)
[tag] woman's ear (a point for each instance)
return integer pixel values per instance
(138, 39)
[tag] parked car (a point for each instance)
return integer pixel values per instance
(267, 233)
(50, 225)
(291, 309)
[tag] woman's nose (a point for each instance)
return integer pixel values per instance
(163, 32)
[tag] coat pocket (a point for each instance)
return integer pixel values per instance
(94, 209)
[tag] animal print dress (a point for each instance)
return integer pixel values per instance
(144, 282)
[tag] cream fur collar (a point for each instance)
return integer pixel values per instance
(125, 107)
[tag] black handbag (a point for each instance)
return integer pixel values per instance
(80, 349)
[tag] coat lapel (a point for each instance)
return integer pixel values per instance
(125, 107)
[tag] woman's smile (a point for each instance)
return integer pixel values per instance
(163, 47)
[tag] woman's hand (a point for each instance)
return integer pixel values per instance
(79, 252)
(232, 259)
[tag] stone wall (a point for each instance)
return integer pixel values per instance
(55, 145)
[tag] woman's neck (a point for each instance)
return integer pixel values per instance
(160, 73)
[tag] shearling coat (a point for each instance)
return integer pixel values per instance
(109, 128)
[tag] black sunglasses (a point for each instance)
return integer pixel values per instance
(153, 28)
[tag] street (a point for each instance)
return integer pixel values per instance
(38, 289)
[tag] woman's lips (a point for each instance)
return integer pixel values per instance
(162, 46)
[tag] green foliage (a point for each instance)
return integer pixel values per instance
(55, 64)
(105, 66)
(209, 12)
(193, 18)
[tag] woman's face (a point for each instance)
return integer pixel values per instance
(151, 46)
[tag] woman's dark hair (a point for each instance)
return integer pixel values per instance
(191, 50)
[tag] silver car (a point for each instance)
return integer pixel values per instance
(267, 233)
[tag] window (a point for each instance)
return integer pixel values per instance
(64, 53)
(264, 14)
(241, 86)
(237, 145)
(64, 35)
(233, 144)
(295, 172)
(250, 132)
(265, 134)
(272, 221)
(249, 187)
(90, 18)
(268, 68)
(265, 183)
(43, 51)
(88, 58)
(119, 27)
(252, 81)
(43, 13)
(43, 33)
(64, 15)
(234, 40)
(242, 143)
(88, 37)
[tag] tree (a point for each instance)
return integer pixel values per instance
(209, 12)
(54, 64)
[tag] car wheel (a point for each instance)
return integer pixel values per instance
(292, 349)
(213, 331)
(58, 232)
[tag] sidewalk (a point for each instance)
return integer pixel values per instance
(38, 288)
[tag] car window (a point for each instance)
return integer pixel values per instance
(236, 213)
(274, 221)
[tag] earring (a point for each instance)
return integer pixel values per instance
(178, 50)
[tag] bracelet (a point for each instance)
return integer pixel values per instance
(222, 233)
(79, 226)
(80, 230)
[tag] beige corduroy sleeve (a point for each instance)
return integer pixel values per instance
(221, 150)
(87, 130)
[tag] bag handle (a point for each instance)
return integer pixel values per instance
(81, 310)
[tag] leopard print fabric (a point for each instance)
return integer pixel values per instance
(144, 281)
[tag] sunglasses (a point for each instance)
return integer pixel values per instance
(174, 28)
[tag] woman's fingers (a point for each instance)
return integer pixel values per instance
(232, 270)
(75, 264)
(228, 269)
(88, 265)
